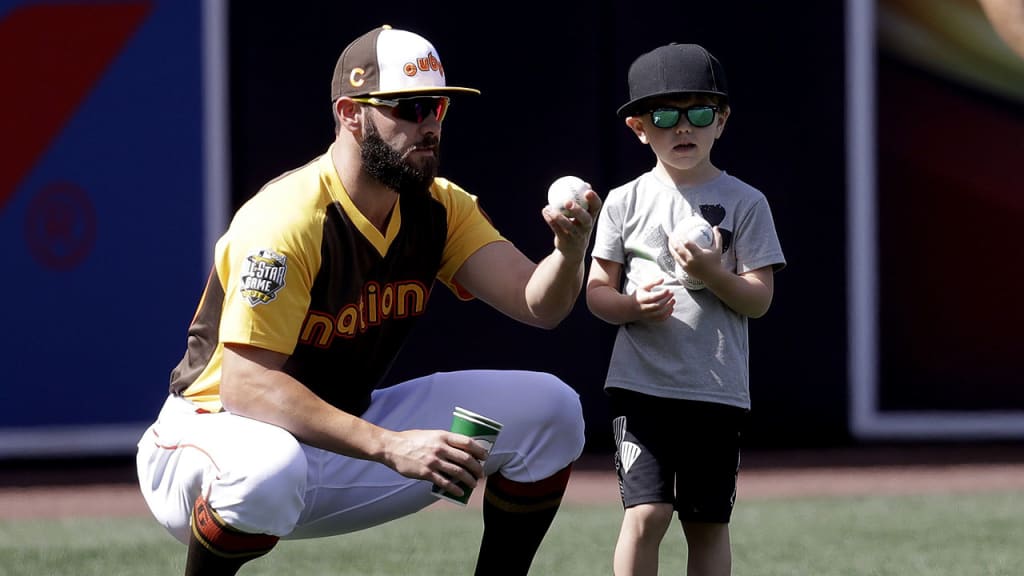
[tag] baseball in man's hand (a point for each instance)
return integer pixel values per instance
(565, 189)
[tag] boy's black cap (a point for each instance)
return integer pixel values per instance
(672, 70)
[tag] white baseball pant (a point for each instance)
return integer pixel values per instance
(261, 480)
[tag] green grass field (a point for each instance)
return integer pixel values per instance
(934, 535)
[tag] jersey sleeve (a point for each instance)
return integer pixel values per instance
(608, 233)
(267, 263)
(469, 229)
(757, 243)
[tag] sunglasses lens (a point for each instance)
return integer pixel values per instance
(700, 116)
(441, 108)
(418, 109)
(665, 117)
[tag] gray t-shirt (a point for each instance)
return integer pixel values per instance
(700, 353)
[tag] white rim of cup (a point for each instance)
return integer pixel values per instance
(477, 418)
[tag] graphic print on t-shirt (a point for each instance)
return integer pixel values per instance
(715, 215)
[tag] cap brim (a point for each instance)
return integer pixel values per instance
(630, 108)
(439, 91)
(636, 106)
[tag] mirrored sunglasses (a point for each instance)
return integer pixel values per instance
(415, 109)
(698, 116)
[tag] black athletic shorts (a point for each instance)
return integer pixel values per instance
(677, 451)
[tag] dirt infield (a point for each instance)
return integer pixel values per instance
(53, 490)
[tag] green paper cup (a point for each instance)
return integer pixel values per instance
(481, 429)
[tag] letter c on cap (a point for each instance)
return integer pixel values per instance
(352, 77)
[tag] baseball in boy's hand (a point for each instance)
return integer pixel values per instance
(697, 230)
(565, 189)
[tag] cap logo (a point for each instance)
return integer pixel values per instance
(352, 77)
(426, 64)
(385, 61)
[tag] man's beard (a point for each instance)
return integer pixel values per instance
(386, 165)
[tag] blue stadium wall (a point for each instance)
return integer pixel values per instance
(107, 215)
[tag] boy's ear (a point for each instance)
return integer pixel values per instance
(637, 126)
(723, 117)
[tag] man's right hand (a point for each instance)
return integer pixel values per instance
(438, 456)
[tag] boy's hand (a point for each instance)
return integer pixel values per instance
(699, 263)
(653, 304)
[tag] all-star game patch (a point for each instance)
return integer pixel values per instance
(263, 276)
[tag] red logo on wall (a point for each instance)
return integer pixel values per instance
(60, 226)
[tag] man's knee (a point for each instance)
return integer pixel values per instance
(558, 406)
(265, 497)
(550, 420)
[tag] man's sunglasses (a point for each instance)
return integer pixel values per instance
(415, 109)
(697, 116)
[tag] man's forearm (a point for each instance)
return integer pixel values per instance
(554, 288)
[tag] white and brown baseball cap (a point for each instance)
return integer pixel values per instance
(388, 62)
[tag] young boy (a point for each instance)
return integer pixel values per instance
(678, 380)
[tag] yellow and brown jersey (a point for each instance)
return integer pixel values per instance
(302, 272)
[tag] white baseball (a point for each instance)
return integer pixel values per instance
(697, 230)
(567, 188)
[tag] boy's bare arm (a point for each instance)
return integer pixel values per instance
(749, 293)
